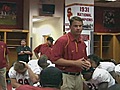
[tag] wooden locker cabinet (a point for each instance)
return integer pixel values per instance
(12, 38)
(107, 45)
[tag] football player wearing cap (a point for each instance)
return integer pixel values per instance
(50, 79)
(44, 48)
(20, 73)
(98, 79)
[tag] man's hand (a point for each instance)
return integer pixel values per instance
(83, 63)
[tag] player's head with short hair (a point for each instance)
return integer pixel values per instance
(23, 42)
(94, 59)
(42, 62)
(19, 67)
(50, 39)
(87, 74)
(75, 18)
(51, 77)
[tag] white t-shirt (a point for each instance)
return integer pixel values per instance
(109, 66)
(117, 69)
(99, 76)
(33, 64)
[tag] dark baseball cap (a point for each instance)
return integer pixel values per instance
(50, 39)
(51, 77)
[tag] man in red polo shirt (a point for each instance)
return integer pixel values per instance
(44, 48)
(69, 55)
(3, 64)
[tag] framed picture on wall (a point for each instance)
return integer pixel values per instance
(11, 14)
(109, 18)
(8, 13)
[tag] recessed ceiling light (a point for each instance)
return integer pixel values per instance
(110, 0)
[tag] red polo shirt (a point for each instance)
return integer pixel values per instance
(43, 49)
(68, 48)
(28, 87)
(3, 52)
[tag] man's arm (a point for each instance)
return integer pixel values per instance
(85, 87)
(14, 83)
(7, 58)
(33, 77)
(36, 54)
(78, 63)
(28, 51)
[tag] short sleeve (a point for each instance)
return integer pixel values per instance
(12, 73)
(101, 75)
(36, 50)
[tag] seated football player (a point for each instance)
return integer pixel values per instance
(20, 73)
(97, 79)
(50, 79)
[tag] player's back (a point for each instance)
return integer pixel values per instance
(101, 75)
(34, 66)
(109, 66)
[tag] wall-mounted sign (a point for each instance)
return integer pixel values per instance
(86, 12)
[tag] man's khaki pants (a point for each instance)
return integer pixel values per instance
(72, 82)
(3, 78)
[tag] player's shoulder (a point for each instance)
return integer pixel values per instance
(12, 72)
(108, 63)
(62, 38)
(99, 73)
(32, 62)
(12, 69)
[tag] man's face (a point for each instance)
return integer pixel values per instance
(76, 27)
(49, 43)
(23, 43)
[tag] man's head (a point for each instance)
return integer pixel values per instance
(42, 62)
(23, 42)
(51, 77)
(20, 67)
(76, 24)
(87, 74)
(94, 59)
(50, 40)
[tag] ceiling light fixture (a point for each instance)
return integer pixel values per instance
(110, 0)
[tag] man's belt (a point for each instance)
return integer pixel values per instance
(72, 73)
